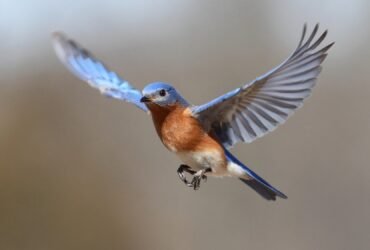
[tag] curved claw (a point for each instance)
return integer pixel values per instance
(180, 171)
(196, 182)
(198, 177)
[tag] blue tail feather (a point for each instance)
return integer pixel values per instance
(257, 183)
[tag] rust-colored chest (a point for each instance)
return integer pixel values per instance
(178, 130)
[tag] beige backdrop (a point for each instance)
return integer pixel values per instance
(79, 171)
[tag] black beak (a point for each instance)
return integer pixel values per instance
(145, 99)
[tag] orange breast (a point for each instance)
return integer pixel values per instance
(179, 131)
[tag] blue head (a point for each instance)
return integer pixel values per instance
(162, 94)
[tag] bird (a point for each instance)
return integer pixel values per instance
(202, 135)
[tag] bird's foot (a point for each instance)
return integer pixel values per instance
(180, 171)
(197, 177)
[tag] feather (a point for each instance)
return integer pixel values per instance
(263, 104)
(89, 69)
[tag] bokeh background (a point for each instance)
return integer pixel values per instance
(79, 171)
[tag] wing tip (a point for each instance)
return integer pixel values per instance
(56, 34)
(330, 45)
(58, 41)
(58, 37)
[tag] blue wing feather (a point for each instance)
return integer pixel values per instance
(88, 68)
(214, 102)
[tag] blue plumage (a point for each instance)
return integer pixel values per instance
(90, 69)
(257, 183)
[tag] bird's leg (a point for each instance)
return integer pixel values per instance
(198, 176)
(180, 171)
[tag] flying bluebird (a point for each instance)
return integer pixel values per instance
(201, 136)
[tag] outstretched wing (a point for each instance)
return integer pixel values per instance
(257, 108)
(88, 68)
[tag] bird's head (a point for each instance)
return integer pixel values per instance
(162, 94)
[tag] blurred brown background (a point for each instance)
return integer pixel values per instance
(79, 171)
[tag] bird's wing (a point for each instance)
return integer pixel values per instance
(258, 107)
(90, 69)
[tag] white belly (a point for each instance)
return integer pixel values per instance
(211, 159)
(204, 159)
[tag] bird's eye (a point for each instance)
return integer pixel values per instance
(162, 92)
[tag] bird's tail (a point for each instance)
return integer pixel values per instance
(256, 182)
